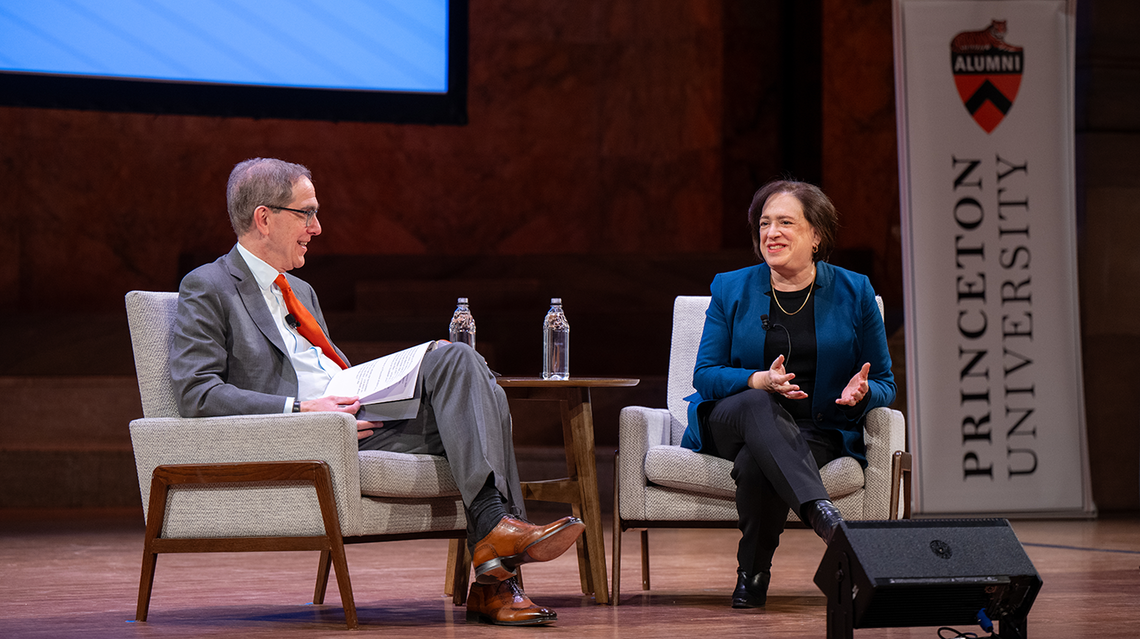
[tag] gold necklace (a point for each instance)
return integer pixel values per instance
(810, 286)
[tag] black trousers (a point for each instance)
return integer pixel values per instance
(775, 466)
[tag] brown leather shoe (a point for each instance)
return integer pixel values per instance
(504, 603)
(515, 542)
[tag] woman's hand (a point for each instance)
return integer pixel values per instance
(776, 380)
(857, 388)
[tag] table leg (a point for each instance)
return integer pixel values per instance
(580, 488)
(582, 431)
(583, 553)
(568, 441)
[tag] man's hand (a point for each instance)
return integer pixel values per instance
(332, 403)
(857, 388)
(348, 405)
(365, 429)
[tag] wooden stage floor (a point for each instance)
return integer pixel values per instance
(78, 577)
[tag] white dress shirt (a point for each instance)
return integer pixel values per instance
(314, 368)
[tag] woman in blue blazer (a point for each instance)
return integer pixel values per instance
(792, 357)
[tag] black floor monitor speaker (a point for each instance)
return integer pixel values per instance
(911, 572)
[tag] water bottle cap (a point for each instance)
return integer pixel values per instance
(556, 300)
(462, 300)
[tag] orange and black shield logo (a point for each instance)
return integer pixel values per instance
(987, 72)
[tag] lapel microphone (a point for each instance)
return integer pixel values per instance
(293, 323)
(767, 326)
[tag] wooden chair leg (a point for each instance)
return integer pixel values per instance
(466, 567)
(450, 571)
(322, 577)
(907, 479)
(323, 485)
(344, 584)
(645, 559)
(459, 570)
(615, 597)
(156, 515)
(146, 583)
(900, 482)
(896, 473)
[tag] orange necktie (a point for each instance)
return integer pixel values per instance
(305, 324)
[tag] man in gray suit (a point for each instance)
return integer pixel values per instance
(239, 349)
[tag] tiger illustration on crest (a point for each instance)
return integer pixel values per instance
(992, 36)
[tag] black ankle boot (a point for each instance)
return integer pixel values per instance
(823, 517)
(751, 590)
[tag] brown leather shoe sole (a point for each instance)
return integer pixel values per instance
(551, 546)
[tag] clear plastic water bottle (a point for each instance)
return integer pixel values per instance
(555, 342)
(462, 328)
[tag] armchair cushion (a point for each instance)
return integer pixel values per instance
(690, 471)
(842, 476)
(386, 474)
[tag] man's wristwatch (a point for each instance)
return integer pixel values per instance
(296, 405)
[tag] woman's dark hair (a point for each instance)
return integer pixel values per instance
(818, 211)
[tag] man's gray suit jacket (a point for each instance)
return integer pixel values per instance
(227, 356)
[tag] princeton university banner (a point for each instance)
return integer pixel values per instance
(995, 398)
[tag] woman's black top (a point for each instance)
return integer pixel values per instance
(793, 336)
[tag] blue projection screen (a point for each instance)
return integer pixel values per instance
(372, 60)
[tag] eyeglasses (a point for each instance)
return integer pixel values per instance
(308, 215)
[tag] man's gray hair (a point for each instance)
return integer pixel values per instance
(257, 182)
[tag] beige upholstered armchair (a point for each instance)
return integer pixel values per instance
(658, 484)
(272, 482)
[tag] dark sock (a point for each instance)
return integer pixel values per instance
(486, 510)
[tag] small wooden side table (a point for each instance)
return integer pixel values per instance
(580, 489)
